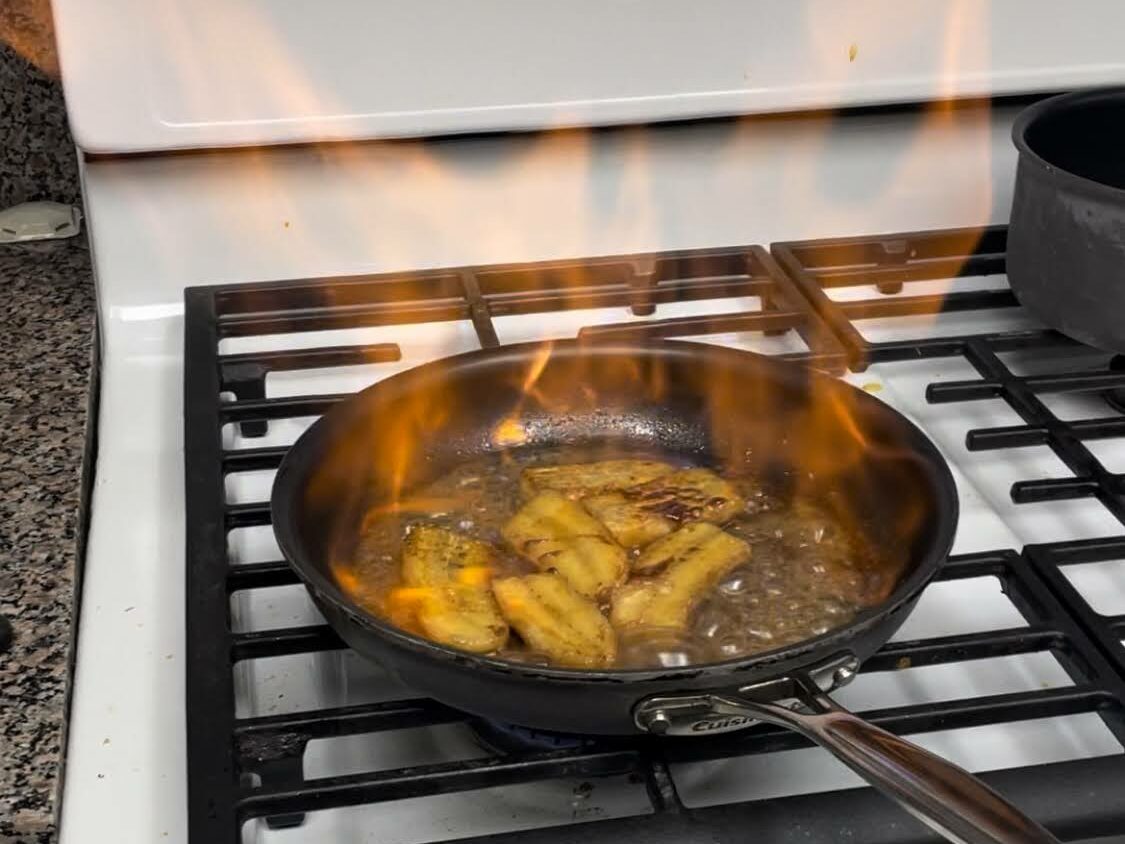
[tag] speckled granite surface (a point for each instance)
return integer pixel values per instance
(46, 344)
(37, 157)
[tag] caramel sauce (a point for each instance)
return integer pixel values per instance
(808, 572)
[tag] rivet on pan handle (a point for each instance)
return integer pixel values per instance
(948, 799)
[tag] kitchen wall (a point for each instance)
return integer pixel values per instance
(37, 159)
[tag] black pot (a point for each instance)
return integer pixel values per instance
(1066, 239)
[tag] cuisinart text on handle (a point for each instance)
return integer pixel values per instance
(722, 724)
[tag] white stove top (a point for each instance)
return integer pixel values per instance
(159, 225)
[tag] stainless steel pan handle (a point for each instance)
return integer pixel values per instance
(948, 799)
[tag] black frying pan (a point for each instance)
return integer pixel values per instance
(710, 405)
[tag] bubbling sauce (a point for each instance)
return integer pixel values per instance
(808, 572)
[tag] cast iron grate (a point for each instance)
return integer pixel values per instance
(898, 259)
(889, 262)
(245, 768)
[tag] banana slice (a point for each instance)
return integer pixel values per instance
(690, 495)
(629, 523)
(695, 558)
(464, 617)
(446, 592)
(433, 556)
(555, 620)
(555, 533)
(576, 480)
(642, 514)
(675, 548)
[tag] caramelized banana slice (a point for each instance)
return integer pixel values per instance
(642, 514)
(433, 556)
(447, 593)
(557, 621)
(556, 533)
(576, 480)
(676, 547)
(464, 617)
(630, 524)
(689, 495)
(696, 557)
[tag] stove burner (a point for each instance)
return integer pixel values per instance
(512, 739)
(1116, 398)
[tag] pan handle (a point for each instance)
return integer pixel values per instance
(945, 797)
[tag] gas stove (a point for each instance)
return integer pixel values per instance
(1012, 663)
(212, 704)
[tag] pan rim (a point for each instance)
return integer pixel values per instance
(323, 588)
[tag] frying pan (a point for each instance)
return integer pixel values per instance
(708, 405)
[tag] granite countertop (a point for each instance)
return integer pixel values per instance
(46, 365)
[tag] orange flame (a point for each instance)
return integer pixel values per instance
(368, 480)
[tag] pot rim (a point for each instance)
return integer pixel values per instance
(1055, 105)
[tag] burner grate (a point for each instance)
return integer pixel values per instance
(242, 768)
(889, 262)
(965, 253)
(1043, 427)
(1052, 560)
(637, 282)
